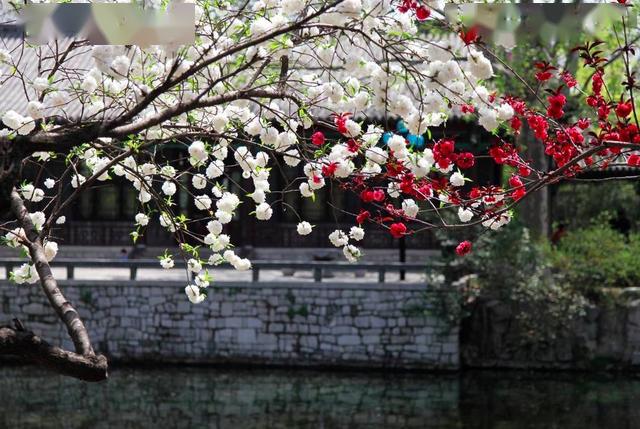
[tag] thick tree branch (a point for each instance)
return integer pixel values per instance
(62, 307)
(32, 348)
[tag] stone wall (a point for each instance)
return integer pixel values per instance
(606, 337)
(263, 323)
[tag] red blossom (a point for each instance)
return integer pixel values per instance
(362, 216)
(465, 160)
(545, 71)
(568, 79)
(341, 122)
(543, 76)
(317, 138)
(596, 82)
(398, 229)
(353, 145)
(624, 109)
(516, 123)
(583, 123)
(556, 103)
(475, 193)
(378, 195)
(464, 248)
(329, 170)
(366, 195)
(470, 36)
(422, 13)
(467, 108)
(515, 181)
(524, 171)
(518, 194)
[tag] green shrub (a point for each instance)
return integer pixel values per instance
(507, 257)
(517, 271)
(597, 257)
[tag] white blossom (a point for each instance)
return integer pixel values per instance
(304, 228)
(194, 295)
(169, 188)
(457, 179)
(465, 215)
(356, 233)
(202, 202)
(351, 252)
(338, 238)
(50, 250)
(264, 211)
(142, 219)
(167, 262)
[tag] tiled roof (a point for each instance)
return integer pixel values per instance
(34, 61)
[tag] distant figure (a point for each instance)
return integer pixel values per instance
(557, 235)
(124, 255)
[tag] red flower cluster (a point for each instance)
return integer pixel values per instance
(443, 153)
(596, 83)
(568, 79)
(505, 154)
(422, 12)
(539, 126)
(370, 195)
(556, 104)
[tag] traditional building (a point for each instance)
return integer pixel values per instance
(104, 214)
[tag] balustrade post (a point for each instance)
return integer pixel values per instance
(381, 274)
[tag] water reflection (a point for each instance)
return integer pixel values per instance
(238, 399)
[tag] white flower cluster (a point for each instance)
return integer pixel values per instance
(253, 107)
(340, 239)
(23, 125)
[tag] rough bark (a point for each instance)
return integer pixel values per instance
(32, 348)
(536, 207)
(84, 363)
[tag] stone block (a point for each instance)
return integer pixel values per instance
(349, 340)
(246, 336)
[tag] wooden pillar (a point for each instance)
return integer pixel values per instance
(534, 210)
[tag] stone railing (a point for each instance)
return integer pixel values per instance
(317, 267)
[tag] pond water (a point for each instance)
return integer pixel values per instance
(175, 397)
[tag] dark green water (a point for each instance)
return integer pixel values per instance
(213, 398)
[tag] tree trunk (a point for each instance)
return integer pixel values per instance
(84, 363)
(535, 208)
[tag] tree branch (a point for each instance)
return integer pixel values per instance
(34, 349)
(65, 311)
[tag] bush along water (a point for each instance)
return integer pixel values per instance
(567, 304)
